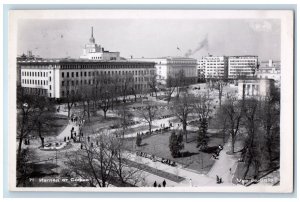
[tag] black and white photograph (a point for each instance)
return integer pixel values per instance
(159, 100)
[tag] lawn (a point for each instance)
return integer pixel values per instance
(158, 145)
(54, 125)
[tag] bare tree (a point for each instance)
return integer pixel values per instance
(31, 106)
(219, 85)
(252, 149)
(269, 113)
(148, 113)
(70, 94)
(202, 106)
(181, 108)
(101, 161)
(153, 84)
(126, 117)
(233, 112)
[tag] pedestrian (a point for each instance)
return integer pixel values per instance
(81, 146)
(88, 138)
(230, 171)
(164, 183)
(155, 184)
(191, 184)
(217, 179)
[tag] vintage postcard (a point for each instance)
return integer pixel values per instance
(151, 100)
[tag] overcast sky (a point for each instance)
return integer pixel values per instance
(152, 38)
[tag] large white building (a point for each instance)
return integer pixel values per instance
(170, 66)
(242, 66)
(93, 51)
(212, 67)
(201, 69)
(55, 78)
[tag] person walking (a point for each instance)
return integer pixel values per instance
(164, 183)
(155, 184)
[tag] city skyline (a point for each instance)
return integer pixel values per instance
(152, 38)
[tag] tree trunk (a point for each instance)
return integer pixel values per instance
(88, 110)
(104, 114)
(40, 134)
(19, 149)
(184, 124)
(150, 128)
(232, 142)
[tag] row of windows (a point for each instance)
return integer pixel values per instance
(36, 91)
(34, 82)
(35, 74)
(104, 66)
(93, 81)
(242, 64)
(94, 73)
(136, 87)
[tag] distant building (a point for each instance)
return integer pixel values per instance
(24, 57)
(50, 77)
(213, 67)
(170, 66)
(93, 51)
(254, 88)
(269, 70)
(242, 66)
(201, 69)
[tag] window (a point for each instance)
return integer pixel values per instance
(50, 78)
(89, 73)
(77, 74)
(63, 93)
(84, 73)
(80, 73)
(68, 74)
(50, 87)
(72, 83)
(72, 74)
(62, 74)
(62, 83)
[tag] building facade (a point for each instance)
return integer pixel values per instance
(269, 70)
(242, 66)
(201, 69)
(170, 66)
(93, 51)
(254, 88)
(55, 78)
(213, 67)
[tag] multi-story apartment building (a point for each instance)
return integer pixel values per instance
(242, 66)
(269, 70)
(213, 67)
(51, 77)
(170, 66)
(201, 69)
